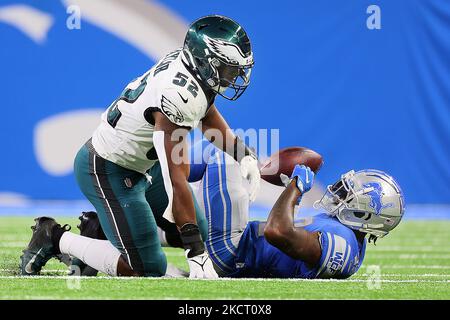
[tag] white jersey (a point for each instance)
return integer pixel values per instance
(125, 135)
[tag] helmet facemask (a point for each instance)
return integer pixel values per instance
(348, 198)
(337, 196)
(228, 77)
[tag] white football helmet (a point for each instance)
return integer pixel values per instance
(369, 201)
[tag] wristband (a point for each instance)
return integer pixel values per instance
(240, 150)
(192, 239)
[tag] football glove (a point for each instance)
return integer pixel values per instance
(201, 266)
(304, 179)
(250, 171)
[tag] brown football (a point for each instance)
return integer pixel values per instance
(284, 161)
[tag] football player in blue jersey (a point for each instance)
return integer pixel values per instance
(366, 203)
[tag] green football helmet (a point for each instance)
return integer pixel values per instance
(220, 54)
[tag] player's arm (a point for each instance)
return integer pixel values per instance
(183, 209)
(217, 131)
(183, 204)
(280, 230)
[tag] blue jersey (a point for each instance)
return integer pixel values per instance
(342, 254)
(238, 247)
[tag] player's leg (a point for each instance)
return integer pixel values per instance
(157, 198)
(168, 233)
(47, 235)
(226, 203)
(45, 244)
(118, 195)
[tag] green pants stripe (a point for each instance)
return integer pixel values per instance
(114, 212)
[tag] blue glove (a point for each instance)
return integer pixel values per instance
(305, 178)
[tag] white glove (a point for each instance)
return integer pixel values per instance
(201, 267)
(250, 171)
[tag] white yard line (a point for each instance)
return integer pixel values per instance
(356, 275)
(406, 275)
(221, 279)
(396, 266)
(409, 248)
(393, 255)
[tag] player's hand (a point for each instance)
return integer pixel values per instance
(304, 178)
(250, 171)
(201, 266)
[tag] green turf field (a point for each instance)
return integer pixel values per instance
(413, 263)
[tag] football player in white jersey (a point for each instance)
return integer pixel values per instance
(132, 169)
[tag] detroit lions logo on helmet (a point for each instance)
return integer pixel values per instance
(228, 51)
(375, 197)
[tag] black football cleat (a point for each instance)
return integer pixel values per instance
(89, 227)
(46, 232)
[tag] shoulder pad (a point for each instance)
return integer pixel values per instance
(181, 108)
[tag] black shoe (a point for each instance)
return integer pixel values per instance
(43, 245)
(89, 227)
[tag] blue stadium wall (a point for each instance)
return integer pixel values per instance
(367, 87)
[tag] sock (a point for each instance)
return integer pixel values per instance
(98, 254)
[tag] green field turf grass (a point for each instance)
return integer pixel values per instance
(414, 263)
